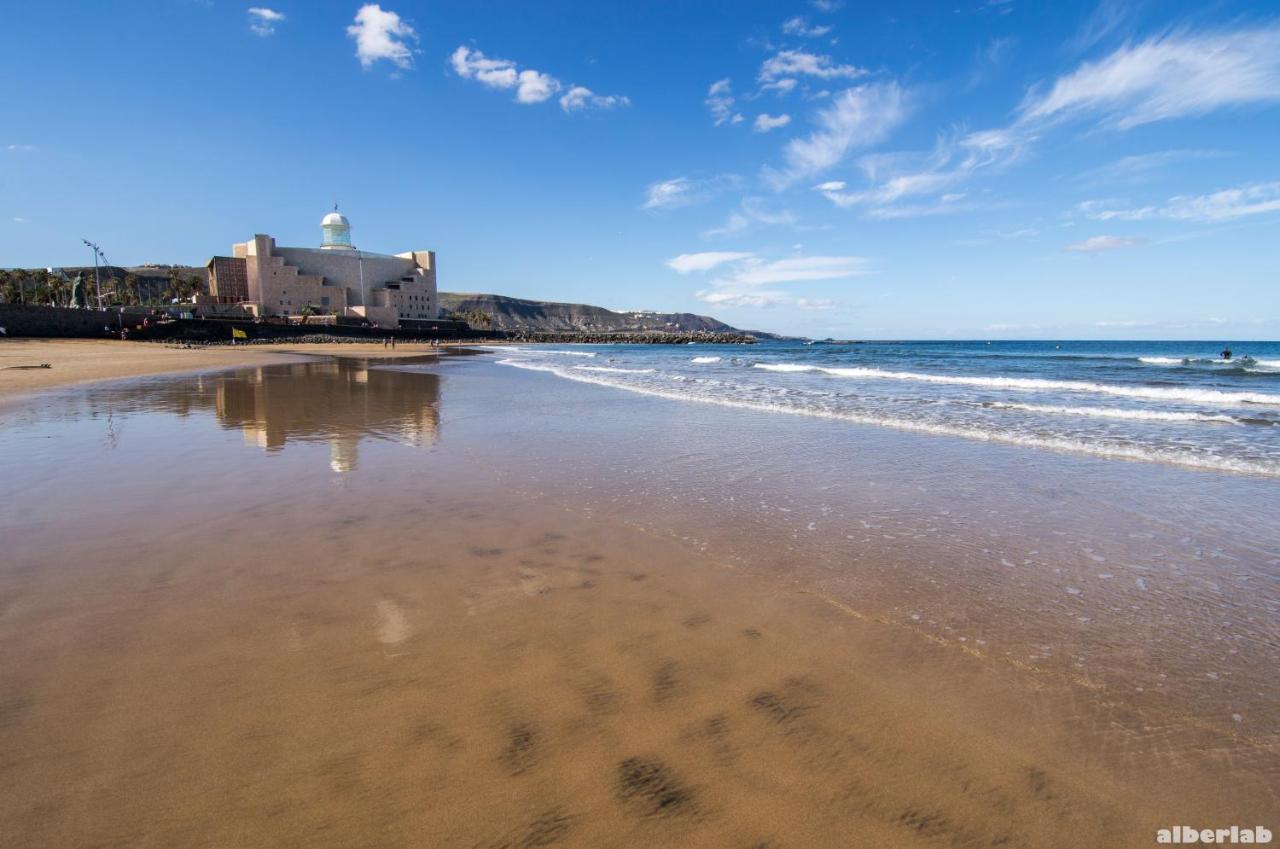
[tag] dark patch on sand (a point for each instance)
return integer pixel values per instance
(13, 707)
(478, 551)
(697, 620)
(650, 788)
(779, 708)
(600, 696)
(1039, 783)
(666, 681)
(523, 748)
(548, 829)
(752, 633)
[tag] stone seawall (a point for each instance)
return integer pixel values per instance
(60, 322)
(19, 320)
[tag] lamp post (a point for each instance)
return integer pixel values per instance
(97, 282)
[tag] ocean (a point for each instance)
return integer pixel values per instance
(1178, 403)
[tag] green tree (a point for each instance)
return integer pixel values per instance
(9, 286)
(129, 288)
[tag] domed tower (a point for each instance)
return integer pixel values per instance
(337, 231)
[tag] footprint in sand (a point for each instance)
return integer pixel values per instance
(392, 625)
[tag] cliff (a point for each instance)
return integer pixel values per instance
(518, 315)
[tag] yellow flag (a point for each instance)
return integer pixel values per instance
(237, 333)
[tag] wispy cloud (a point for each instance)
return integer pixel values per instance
(720, 101)
(745, 276)
(262, 21)
(1228, 204)
(765, 122)
(751, 212)
(382, 34)
(530, 86)
(1144, 166)
(799, 26)
(1169, 76)
(857, 117)
(827, 5)
(1098, 244)
(20, 148)
(581, 97)
(1178, 74)
(686, 191)
(795, 63)
(705, 260)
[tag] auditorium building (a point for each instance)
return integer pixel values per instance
(265, 279)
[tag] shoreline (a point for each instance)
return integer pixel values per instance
(85, 361)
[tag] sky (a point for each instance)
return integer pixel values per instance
(978, 169)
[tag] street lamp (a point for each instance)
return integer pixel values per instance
(97, 282)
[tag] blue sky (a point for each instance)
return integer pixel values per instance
(977, 169)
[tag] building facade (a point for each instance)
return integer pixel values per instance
(335, 279)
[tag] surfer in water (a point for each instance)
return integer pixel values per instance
(1226, 353)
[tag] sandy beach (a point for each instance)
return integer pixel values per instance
(346, 602)
(77, 361)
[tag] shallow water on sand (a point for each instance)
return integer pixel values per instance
(346, 604)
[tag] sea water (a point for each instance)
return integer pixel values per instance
(1167, 402)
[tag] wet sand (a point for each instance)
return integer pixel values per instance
(346, 611)
(77, 361)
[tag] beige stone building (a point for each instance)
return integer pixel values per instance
(335, 279)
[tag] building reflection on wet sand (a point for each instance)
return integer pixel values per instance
(341, 402)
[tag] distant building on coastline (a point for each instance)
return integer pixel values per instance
(334, 279)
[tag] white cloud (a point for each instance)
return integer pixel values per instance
(20, 148)
(750, 212)
(1174, 75)
(580, 97)
(783, 86)
(1168, 76)
(1097, 244)
(743, 283)
(740, 299)
(794, 63)
(765, 123)
(1252, 199)
(1142, 166)
(382, 34)
(893, 177)
(17, 219)
(757, 272)
(827, 5)
(705, 261)
(857, 117)
(530, 86)
(815, 303)
(535, 86)
(720, 101)
(799, 26)
(686, 191)
(262, 21)
(474, 65)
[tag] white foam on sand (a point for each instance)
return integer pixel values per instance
(1149, 454)
(1035, 384)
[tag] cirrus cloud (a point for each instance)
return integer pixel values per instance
(1098, 244)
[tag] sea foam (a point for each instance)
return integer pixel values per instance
(1143, 453)
(1036, 384)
